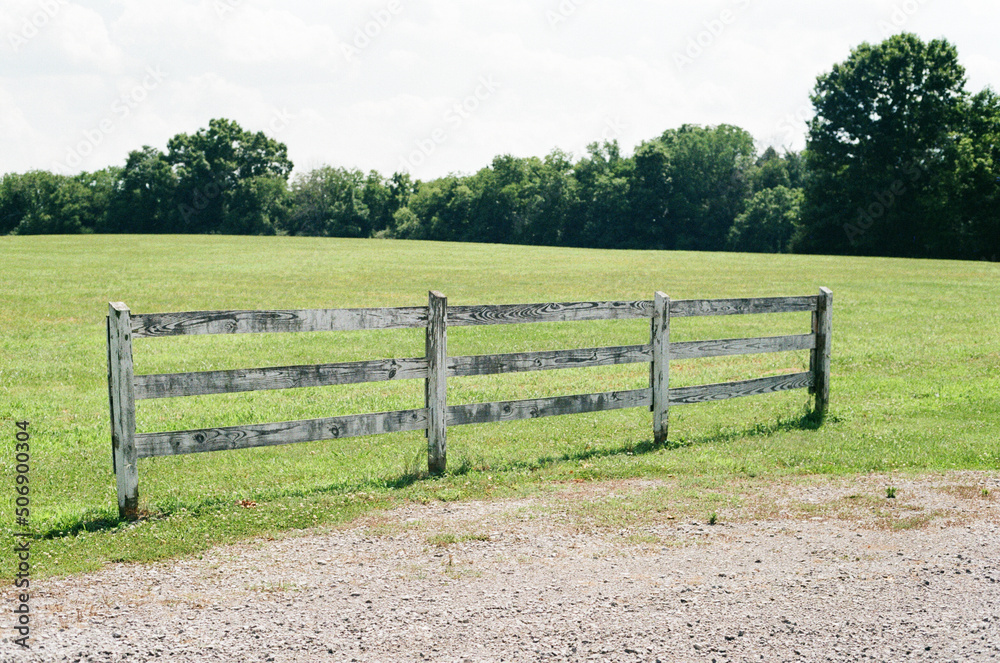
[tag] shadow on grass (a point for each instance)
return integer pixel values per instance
(105, 521)
(89, 522)
(808, 421)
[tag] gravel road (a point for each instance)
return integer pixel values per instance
(808, 570)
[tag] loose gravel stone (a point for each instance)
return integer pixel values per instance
(520, 580)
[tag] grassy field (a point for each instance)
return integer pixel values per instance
(915, 385)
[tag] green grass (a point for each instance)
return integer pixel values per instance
(916, 353)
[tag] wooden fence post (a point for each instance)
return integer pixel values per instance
(122, 392)
(820, 364)
(661, 367)
(437, 382)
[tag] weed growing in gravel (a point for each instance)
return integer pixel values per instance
(643, 539)
(911, 522)
(443, 540)
(281, 586)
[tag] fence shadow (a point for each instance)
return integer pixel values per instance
(89, 522)
(809, 421)
(415, 473)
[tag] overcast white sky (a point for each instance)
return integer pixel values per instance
(433, 86)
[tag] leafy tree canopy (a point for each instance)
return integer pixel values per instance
(770, 221)
(213, 168)
(884, 119)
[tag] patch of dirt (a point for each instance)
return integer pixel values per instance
(805, 569)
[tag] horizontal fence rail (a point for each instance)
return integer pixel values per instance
(741, 346)
(288, 432)
(253, 322)
(547, 361)
(286, 377)
(124, 388)
(721, 391)
(505, 314)
(683, 308)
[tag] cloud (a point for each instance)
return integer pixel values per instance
(83, 38)
(13, 121)
(602, 70)
(56, 37)
(252, 36)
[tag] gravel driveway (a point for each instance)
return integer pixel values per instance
(808, 570)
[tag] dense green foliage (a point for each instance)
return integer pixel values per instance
(680, 190)
(915, 376)
(900, 160)
(769, 222)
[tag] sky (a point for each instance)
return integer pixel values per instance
(433, 87)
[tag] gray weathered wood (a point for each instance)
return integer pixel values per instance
(124, 388)
(721, 391)
(502, 314)
(288, 432)
(812, 354)
(680, 308)
(437, 382)
(546, 360)
(481, 413)
(122, 399)
(741, 346)
(824, 343)
(662, 354)
(167, 385)
(250, 322)
(241, 322)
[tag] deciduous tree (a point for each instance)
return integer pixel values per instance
(876, 147)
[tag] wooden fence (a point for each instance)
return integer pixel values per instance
(435, 367)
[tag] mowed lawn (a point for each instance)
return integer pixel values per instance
(915, 380)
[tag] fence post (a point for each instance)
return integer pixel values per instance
(121, 389)
(661, 367)
(823, 328)
(437, 382)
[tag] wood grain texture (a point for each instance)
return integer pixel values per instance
(122, 402)
(124, 388)
(481, 413)
(288, 432)
(812, 355)
(824, 346)
(721, 391)
(660, 378)
(168, 385)
(502, 314)
(436, 385)
(680, 308)
(243, 322)
(546, 360)
(741, 346)
(251, 322)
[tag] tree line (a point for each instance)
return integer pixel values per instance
(900, 160)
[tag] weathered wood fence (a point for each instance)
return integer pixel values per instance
(435, 367)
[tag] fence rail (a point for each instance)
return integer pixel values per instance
(125, 388)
